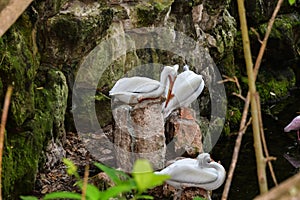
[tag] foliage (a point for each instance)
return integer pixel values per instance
(198, 198)
(142, 179)
(292, 2)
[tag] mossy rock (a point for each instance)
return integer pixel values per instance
(148, 13)
(22, 154)
(33, 118)
(23, 142)
(67, 35)
(19, 64)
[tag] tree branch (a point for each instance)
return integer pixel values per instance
(287, 190)
(11, 13)
(2, 129)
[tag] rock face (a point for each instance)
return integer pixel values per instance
(183, 134)
(139, 133)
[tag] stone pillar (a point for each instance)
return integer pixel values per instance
(183, 134)
(139, 133)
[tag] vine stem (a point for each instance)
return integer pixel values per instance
(2, 129)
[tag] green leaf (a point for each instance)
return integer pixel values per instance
(71, 167)
(113, 174)
(144, 197)
(28, 198)
(116, 190)
(198, 198)
(144, 176)
(62, 195)
(292, 2)
(92, 192)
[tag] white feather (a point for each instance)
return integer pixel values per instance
(186, 89)
(133, 89)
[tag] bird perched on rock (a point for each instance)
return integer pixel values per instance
(201, 172)
(135, 89)
(186, 89)
(294, 126)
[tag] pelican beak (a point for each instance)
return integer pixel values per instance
(170, 95)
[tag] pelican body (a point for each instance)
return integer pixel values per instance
(201, 172)
(135, 89)
(294, 126)
(186, 89)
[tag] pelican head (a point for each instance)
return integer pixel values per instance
(171, 73)
(203, 159)
(211, 167)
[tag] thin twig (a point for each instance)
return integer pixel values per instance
(271, 158)
(2, 129)
(257, 35)
(85, 182)
(239, 96)
(265, 40)
(237, 147)
(236, 81)
(263, 139)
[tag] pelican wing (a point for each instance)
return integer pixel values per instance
(193, 90)
(134, 84)
(193, 174)
(187, 87)
(188, 171)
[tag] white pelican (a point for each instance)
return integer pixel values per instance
(136, 89)
(186, 89)
(201, 172)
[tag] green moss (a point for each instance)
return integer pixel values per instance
(233, 118)
(272, 87)
(226, 129)
(234, 115)
(283, 26)
(21, 156)
(18, 68)
(149, 12)
(31, 117)
(69, 36)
